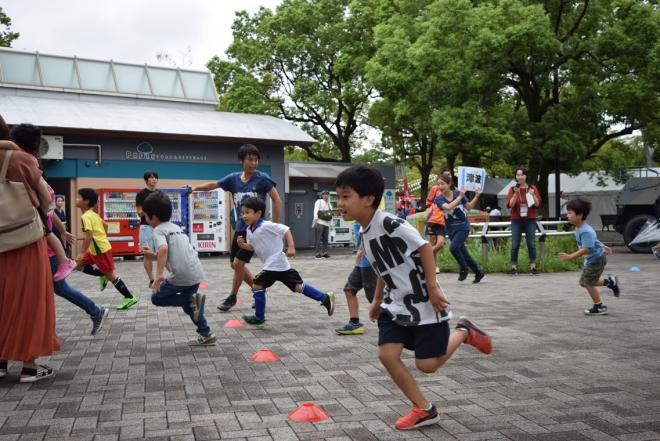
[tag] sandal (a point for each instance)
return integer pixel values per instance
(32, 374)
(3, 369)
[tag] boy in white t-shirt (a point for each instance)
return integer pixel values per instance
(264, 238)
(410, 307)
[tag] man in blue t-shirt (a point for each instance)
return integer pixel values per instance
(243, 185)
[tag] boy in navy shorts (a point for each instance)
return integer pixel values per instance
(408, 303)
(577, 211)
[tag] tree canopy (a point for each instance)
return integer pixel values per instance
(6, 34)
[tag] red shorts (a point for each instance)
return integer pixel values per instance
(103, 261)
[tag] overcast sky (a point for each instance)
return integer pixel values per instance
(128, 30)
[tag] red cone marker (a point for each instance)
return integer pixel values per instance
(203, 285)
(234, 323)
(264, 356)
(308, 413)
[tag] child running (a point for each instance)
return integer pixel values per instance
(362, 277)
(173, 249)
(98, 250)
(408, 303)
(264, 238)
(594, 264)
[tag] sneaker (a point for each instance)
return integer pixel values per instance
(127, 302)
(477, 277)
(326, 256)
(30, 375)
(476, 337)
(228, 303)
(417, 418)
(350, 328)
(614, 285)
(596, 310)
(318, 256)
(197, 302)
(534, 271)
(514, 271)
(63, 270)
(98, 320)
(462, 275)
(103, 282)
(254, 321)
(204, 340)
(329, 302)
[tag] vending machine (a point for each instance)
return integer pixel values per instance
(117, 208)
(179, 198)
(208, 221)
(341, 231)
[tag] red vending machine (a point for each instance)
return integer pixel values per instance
(117, 208)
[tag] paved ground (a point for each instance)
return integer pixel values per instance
(555, 374)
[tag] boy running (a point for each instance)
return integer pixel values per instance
(265, 239)
(408, 303)
(577, 211)
(362, 277)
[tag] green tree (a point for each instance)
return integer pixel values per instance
(6, 34)
(305, 63)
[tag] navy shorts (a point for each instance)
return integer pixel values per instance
(428, 341)
(435, 230)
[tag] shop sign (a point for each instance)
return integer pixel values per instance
(144, 151)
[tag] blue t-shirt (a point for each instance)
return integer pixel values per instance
(585, 236)
(456, 219)
(259, 185)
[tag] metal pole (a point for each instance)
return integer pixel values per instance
(557, 186)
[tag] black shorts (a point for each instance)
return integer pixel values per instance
(362, 278)
(428, 341)
(290, 278)
(237, 252)
(435, 229)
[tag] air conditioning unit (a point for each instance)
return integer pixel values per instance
(52, 147)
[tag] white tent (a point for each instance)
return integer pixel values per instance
(598, 188)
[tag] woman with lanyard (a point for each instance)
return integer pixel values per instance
(523, 200)
(455, 206)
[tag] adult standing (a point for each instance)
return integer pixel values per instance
(147, 242)
(322, 224)
(563, 201)
(523, 201)
(242, 185)
(27, 305)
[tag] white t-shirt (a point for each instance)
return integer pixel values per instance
(495, 212)
(267, 242)
(322, 205)
(392, 247)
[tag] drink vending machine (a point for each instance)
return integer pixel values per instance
(208, 221)
(117, 208)
(179, 198)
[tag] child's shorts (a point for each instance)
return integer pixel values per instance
(237, 252)
(103, 261)
(592, 272)
(362, 278)
(291, 278)
(435, 229)
(428, 341)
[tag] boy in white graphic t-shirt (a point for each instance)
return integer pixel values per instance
(410, 306)
(264, 238)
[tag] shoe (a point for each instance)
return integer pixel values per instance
(151, 282)
(614, 285)
(514, 271)
(254, 321)
(476, 337)
(103, 282)
(197, 302)
(98, 320)
(534, 271)
(32, 374)
(318, 256)
(228, 303)
(326, 256)
(462, 275)
(204, 340)
(329, 302)
(350, 329)
(437, 270)
(127, 302)
(417, 418)
(596, 310)
(63, 270)
(477, 277)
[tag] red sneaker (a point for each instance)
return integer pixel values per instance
(417, 418)
(476, 337)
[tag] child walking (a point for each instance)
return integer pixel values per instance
(410, 307)
(264, 238)
(98, 250)
(173, 249)
(594, 251)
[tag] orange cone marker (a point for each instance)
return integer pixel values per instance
(234, 323)
(203, 285)
(264, 356)
(239, 301)
(308, 413)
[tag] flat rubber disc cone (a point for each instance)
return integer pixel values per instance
(234, 323)
(264, 356)
(308, 413)
(239, 301)
(203, 285)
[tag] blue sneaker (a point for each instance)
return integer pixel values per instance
(350, 329)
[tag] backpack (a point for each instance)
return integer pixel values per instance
(20, 224)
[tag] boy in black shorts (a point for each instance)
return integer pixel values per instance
(362, 277)
(264, 238)
(408, 303)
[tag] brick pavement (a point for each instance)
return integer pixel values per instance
(554, 375)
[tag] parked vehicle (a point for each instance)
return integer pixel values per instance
(637, 203)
